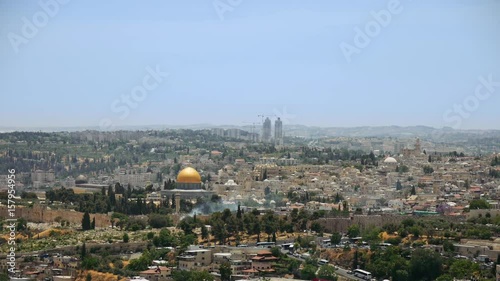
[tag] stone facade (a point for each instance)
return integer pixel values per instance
(40, 214)
(365, 221)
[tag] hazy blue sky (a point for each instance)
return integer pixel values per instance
(261, 57)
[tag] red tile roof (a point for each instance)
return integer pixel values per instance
(156, 270)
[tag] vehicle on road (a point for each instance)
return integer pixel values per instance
(363, 274)
(266, 244)
(322, 262)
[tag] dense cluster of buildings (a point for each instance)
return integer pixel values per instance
(266, 136)
(245, 263)
(410, 179)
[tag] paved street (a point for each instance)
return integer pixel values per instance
(340, 271)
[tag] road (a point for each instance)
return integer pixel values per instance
(343, 272)
(340, 271)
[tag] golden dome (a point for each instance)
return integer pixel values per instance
(188, 175)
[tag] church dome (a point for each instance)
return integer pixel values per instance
(390, 160)
(188, 175)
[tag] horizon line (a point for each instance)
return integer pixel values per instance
(10, 129)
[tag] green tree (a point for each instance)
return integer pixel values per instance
(90, 263)
(159, 221)
(308, 272)
(345, 206)
(445, 277)
(372, 235)
(187, 225)
(165, 239)
(408, 222)
(413, 191)
(415, 231)
(83, 251)
(316, 227)
(495, 161)
(141, 263)
(29, 195)
(327, 272)
(256, 228)
(219, 230)
(353, 231)
(338, 198)
(425, 265)
(225, 271)
(448, 246)
(204, 232)
(21, 224)
(4, 277)
(275, 251)
(119, 216)
(428, 170)
(399, 186)
(125, 238)
(400, 275)
(355, 260)
(238, 213)
(86, 225)
(462, 269)
(479, 204)
(390, 228)
(267, 191)
(335, 238)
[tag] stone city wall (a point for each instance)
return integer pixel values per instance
(40, 214)
(476, 212)
(365, 221)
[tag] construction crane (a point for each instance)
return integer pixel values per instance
(253, 125)
(263, 116)
(253, 137)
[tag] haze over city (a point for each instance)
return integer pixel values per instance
(231, 140)
(227, 64)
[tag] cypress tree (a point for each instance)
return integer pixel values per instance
(83, 251)
(238, 214)
(86, 221)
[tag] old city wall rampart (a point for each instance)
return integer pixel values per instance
(365, 221)
(483, 212)
(41, 214)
